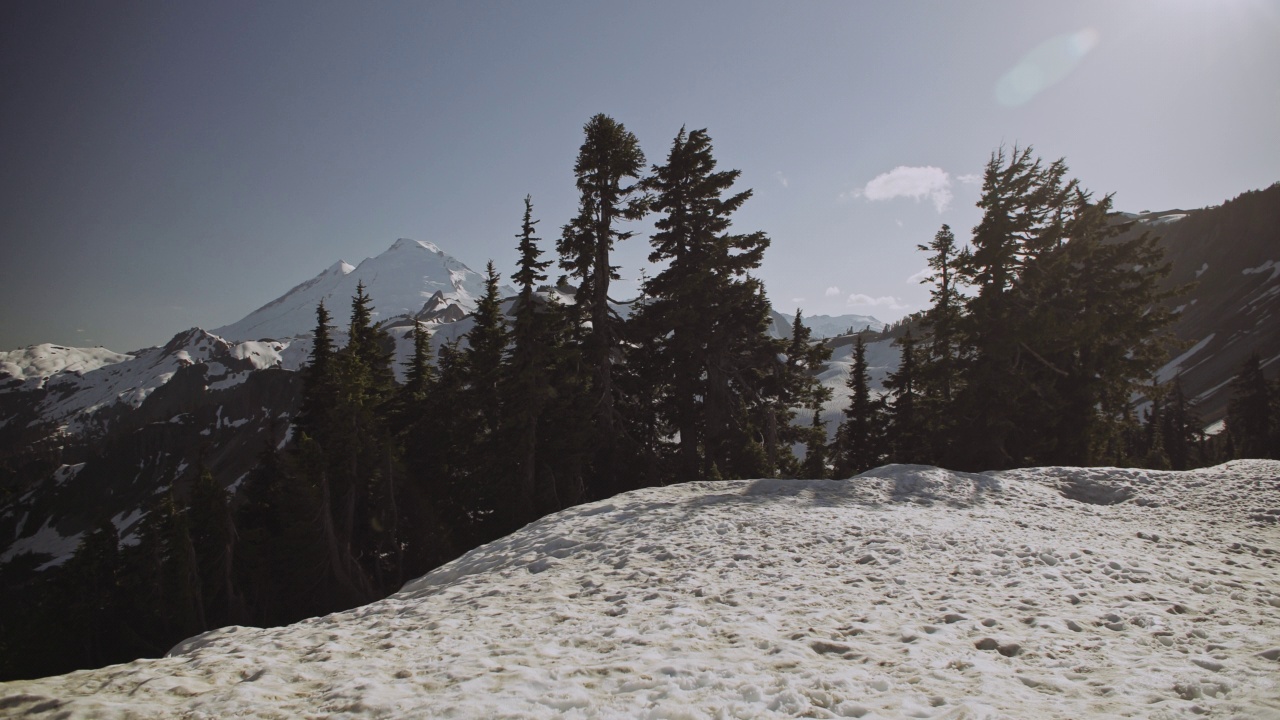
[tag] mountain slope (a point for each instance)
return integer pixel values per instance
(1230, 254)
(401, 281)
(906, 592)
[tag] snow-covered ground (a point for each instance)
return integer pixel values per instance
(906, 592)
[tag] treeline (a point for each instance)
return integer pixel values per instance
(1040, 347)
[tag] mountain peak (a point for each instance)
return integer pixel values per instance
(401, 281)
(404, 244)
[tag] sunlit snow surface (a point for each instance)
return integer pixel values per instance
(907, 592)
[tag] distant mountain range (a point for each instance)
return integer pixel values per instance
(88, 432)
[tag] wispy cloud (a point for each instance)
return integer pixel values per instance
(832, 291)
(885, 301)
(782, 179)
(797, 300)
(924, 274)
(917, 183)
(969, 179)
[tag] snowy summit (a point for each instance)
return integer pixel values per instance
(908, 591)
(400, 281)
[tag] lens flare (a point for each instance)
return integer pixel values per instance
(1044, 67)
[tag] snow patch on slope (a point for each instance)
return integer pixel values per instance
(908, 591)
(28, 368)
(1272, 266)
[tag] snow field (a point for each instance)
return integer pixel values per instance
(908, 592)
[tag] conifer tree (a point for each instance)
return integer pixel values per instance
(814, 466)
(799, 387)
(609, 157)
(91, 582)
(908, 440)
(486, 345)
(421, 373)
(527, 385)
(940, 358)
(859, 441)
(1020, 202)
(1089, 334)
(1180, 428)
(213, 542)
(1249, 412)
(318, 389)
(709, 319)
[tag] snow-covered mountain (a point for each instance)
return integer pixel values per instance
(407, 278)
(825, 326)
(906, 592)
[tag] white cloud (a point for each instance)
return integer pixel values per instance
(970, 179)
(797, 300)
(913, 182)
(782, 179)
(925, 273)
(832, 291)
(885, 301)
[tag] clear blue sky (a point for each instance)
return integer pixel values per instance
(166, 165)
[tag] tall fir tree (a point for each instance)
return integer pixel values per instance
(796, 385)
(908, 433)
(814, 466)
(1249, 412)
(319, 377)
(941, 351)
(609, 157)
(526, 387)
(860, 440)
(1181, 428)
(1020, 201)
(1090, 334)
(708, 318)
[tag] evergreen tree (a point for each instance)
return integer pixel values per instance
(1089, 336)
(527, 388)
(859, 442)
(815, 454)
(908, 440)
(941, 354)
(708, 317)
(213, 542)
(1180, 428)
(319, 377)
(421, 372)
(91, 582)
(796, 385)
(486, 345)
(609, 156)
(1249, 412)
(1020, 200)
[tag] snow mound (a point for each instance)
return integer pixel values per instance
(28, 368)
(908, 591)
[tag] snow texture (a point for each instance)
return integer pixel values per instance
(909, 591)
(28, 368)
